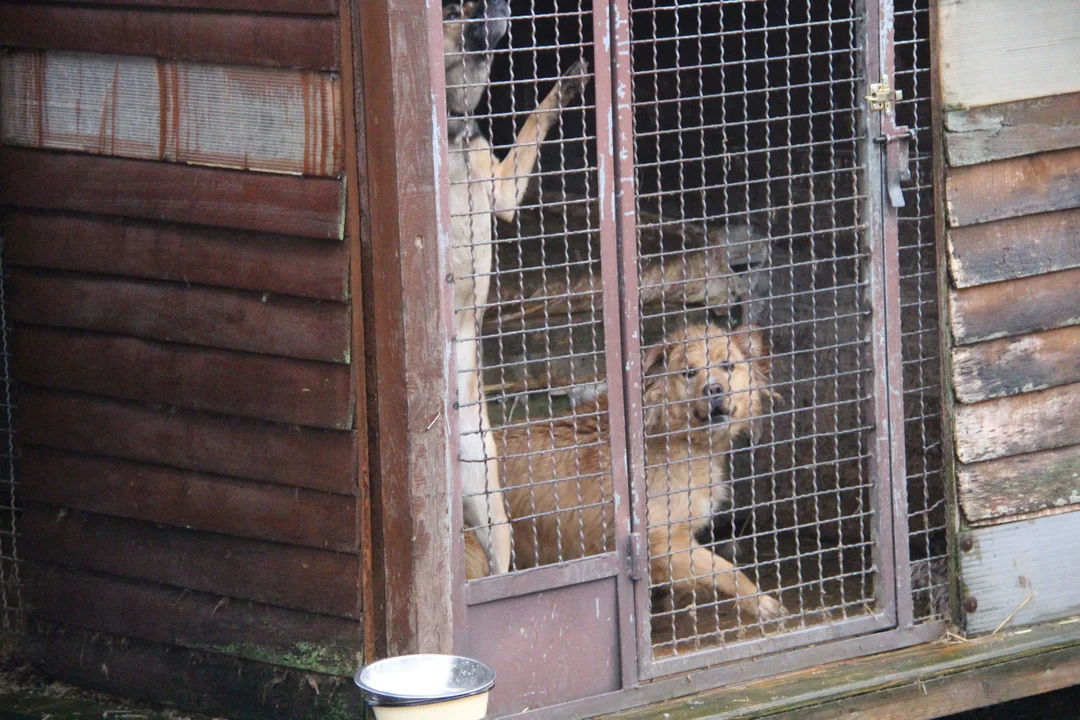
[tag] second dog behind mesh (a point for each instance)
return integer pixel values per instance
(702, 388)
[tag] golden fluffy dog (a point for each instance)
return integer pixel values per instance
(702, 387)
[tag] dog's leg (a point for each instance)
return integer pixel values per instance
(697, 571)
(512, 174)
(484, 506)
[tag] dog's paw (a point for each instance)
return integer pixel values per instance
(764, 607)
(573, 83)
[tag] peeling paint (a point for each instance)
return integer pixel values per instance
(260, 119)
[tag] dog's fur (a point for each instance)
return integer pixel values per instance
(480, 186)
(702, 388)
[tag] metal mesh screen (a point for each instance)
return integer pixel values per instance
(919, 321)
(10, 587)
(762, 364)
(748, 129)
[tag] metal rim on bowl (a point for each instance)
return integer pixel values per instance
(381, 698)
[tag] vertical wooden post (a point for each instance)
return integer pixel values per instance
(408, 314)
(356, 217)
(948, 397)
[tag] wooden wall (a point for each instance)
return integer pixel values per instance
(1011, 130)
(174, 231)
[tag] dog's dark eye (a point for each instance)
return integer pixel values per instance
(727, 366)
(452, 15)
(691, 372)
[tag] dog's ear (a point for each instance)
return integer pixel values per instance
(653, 364)
(752, 343)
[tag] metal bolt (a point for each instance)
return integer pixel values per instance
(971, 604)
(967, 542)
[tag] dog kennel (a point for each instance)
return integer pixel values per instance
(771, 354)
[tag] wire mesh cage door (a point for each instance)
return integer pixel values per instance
(759, 251)
(677, 336)
(537, 321)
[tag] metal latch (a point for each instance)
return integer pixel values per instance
(897, 142)
(882, 96)
(637, 557)
(895, 138)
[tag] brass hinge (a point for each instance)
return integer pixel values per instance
(881, 95)
(637, 557)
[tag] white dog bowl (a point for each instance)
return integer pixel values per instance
(423, 687)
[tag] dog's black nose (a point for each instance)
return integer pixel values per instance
(718, 411)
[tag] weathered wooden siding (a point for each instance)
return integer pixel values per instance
(262, 39)
(996, 132)
(1011, 130)
(1014, 258)
(153, 109)
(171, 178)
(995, 51)
(260, 202)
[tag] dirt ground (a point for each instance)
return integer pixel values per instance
(26, 694)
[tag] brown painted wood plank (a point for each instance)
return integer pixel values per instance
(291, 41)
(232, 116)
(257, 386)
(995, 132)
(191, 619)
(289, 327)
(301, 457)
(407, 326)
(1020, 484)
(1014, 248)
(317, 581)
(180, 253)
(211, 683)
(1014, 187)
(363, 379)
(1015, 307)
(294, 7)
(1019, 424)
(187, 499)
(311, 207)
(1016, 365)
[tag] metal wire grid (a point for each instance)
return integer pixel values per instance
(750, 185)
(919, 322)
(540, 328)
(747, 120)
(10, 585)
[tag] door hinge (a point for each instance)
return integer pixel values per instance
(882, 96)
(637, 559)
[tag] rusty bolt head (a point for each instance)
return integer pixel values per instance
(971, 604)
(967, 542)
